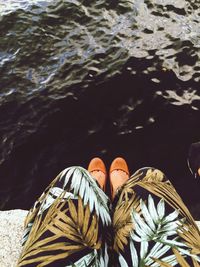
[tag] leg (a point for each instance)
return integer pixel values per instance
(152, 226)
(65, 226)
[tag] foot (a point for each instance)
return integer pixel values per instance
(98, 170)
(119, 174)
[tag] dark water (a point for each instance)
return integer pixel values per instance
(90, 78)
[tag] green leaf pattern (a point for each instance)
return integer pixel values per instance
(153, 224)
(84, 185)
(74, 183)
(154, 233)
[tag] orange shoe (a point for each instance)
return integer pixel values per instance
(97, 169)
(119, 174)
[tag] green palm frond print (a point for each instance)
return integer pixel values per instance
(81, 183)
(80, 233)
(153, 225)
(151, 175)
(77, 182)
(73, 224)
(122, 222)
(65, 221)
(180, 260)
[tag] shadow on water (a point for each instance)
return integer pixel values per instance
(83, 80)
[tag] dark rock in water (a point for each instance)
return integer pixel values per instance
(80, 79)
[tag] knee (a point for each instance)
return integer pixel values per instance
(150, 174)
(74, 174)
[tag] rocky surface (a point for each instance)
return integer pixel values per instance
(11, 230)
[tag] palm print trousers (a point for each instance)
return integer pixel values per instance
(74, 224)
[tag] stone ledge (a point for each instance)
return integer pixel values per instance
(11, 230)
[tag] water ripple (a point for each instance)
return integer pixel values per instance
(79, 77)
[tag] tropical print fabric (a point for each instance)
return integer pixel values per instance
(65, 226)
(74, 224)
(151, 224)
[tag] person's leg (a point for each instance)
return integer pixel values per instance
(65, 226)
(151, 224)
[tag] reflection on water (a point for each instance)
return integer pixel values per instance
(85, 78)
